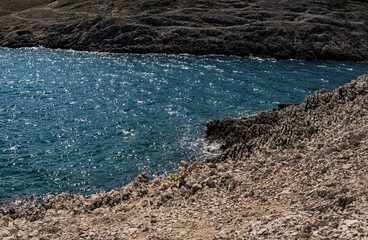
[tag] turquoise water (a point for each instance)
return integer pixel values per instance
(89, 122)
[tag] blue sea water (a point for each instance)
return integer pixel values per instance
(82, 122)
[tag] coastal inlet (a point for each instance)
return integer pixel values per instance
(81, 122)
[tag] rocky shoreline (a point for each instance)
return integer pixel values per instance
(297, 172)
(287, 29)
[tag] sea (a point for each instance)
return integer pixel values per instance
(84, 123)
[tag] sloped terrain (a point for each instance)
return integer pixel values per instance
(290, 125)
(311, 29)
(315, 189)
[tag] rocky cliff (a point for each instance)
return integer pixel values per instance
(283, 29)
(289, 125)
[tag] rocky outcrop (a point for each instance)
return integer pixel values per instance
(314, 189)
(326, 29)
(289, 126)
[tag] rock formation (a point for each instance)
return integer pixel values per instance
(309, 29)
(290, 125)
(299, 172)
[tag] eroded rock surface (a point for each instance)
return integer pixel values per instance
(287, 127)
(309, 29)
(315, 189)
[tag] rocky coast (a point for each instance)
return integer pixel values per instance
(296, 172)
(284, 29)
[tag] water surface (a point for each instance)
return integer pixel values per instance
(89, 122)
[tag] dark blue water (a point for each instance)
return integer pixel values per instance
(86, 122)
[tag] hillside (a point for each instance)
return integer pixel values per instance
(314, 188)
(283, 29)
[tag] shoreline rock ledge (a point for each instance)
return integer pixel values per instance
(283, 29)
(298, 172)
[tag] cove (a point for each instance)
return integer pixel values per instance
(81, 122)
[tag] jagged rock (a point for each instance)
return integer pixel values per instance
(196, 187)
(184, 164)
(164, 186)
(285, 127)
(167, 195)
(283, 105)
(182, 180)
(156, 181)
(344, 201)
(142, 178)
(210, 183)
(313, 190)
